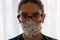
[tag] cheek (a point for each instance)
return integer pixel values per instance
(21, 20)
(25, 26)
(38, 21)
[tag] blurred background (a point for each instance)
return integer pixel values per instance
(10, 27)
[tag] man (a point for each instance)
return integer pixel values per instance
(31, 16)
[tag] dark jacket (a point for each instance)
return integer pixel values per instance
(19, 37)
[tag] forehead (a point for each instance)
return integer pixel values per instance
(30, 8)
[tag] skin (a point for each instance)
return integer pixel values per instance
(30, 8)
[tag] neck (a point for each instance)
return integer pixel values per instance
(36, 37)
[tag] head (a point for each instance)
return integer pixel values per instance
(31, 11)
(30, 8)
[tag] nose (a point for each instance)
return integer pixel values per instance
(30, 18)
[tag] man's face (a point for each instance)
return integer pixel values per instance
(31, 12)
(30, 17)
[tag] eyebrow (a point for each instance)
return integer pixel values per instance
(23, 13)
(35, 13)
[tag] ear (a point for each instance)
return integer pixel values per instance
(19, 19)
(43, 17)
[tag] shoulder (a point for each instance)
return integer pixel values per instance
(17, 37)
(48, 38)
